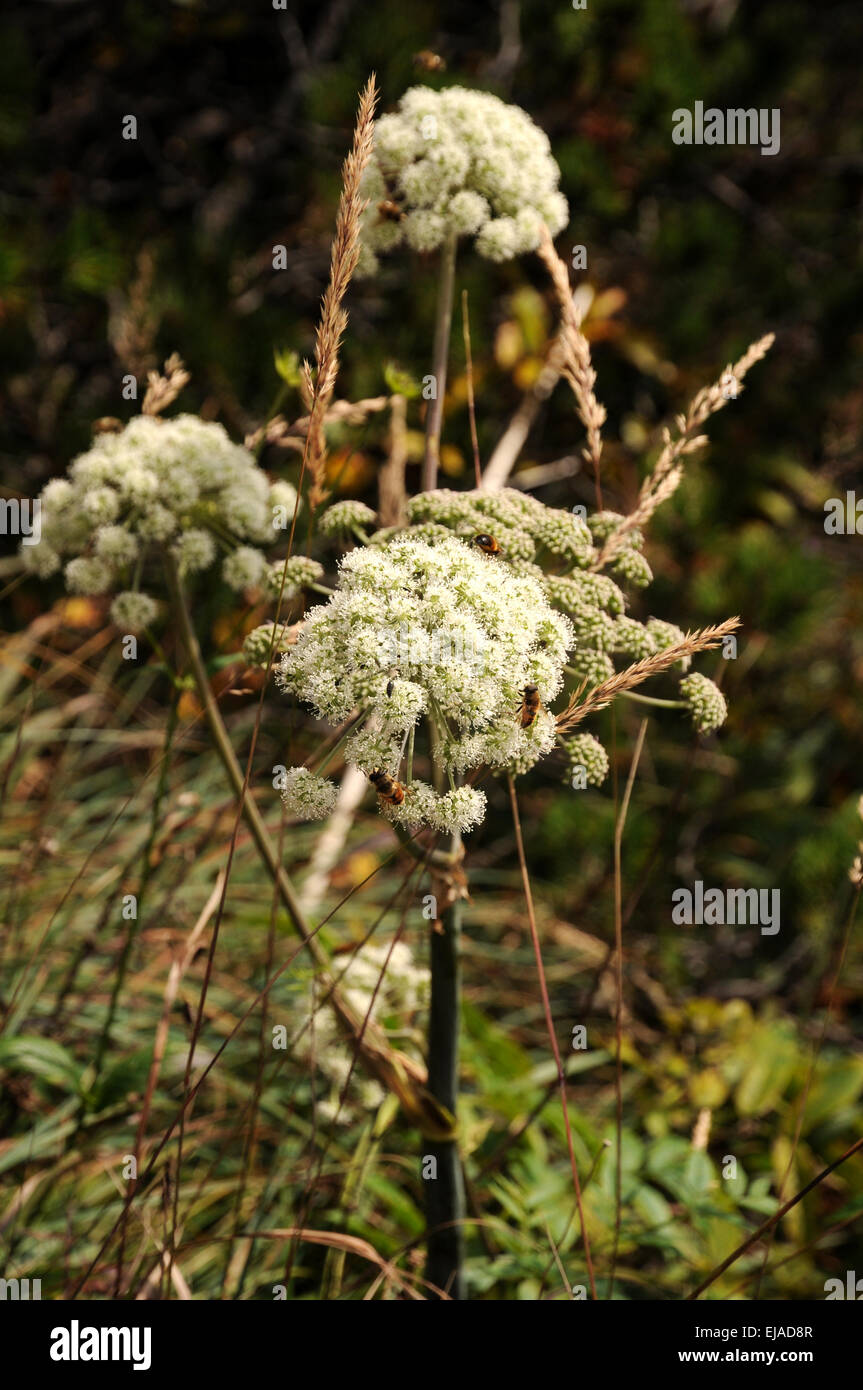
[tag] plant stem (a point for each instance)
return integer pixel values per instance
(653, 700)
(410, 768)
(445, 1200)
(143, 884)
(443, 324)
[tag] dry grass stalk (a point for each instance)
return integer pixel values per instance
(162, 390)
(134, 320)
(663, 481)
(343, 261)
(581, 704)
(577, 367)
(292, 436)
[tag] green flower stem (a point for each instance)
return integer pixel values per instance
(387, 1066)
(436, 858)
(328, 757)
(410, 767)
(445, 1199)
(443, 324)
(653, 700)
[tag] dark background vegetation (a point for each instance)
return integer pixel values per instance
(244, 116)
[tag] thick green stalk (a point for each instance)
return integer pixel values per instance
(389, 1067)
(445, 1201)
(443, 325)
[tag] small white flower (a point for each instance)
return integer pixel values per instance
(88, 576)
(406, 701)
(243, 569)
(298, 572)
(41, 560)
(117, 546)
(131, 612)
(101, 505)
(57, 494)
(417, 809)
(156, 523)
(284, 495)
(499, 239)
(308, 797)
(195, 550)
(459, 810)
(343, 517)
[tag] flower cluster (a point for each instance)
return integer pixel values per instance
(257, 644)
(459, 163)
(308, 797)
(522, 526)
(587, 756)
(437, 630)
(380, 982)
(559, 551)
(706, 703)
(298, 572)
(345, 517)
(180, 484)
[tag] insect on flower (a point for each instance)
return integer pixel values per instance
(427, 61)
(387, 788)
(530, 706)
(389, 211)
(486, 543)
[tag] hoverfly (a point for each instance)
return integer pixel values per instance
(486, 543)
(530, 706)
(387, 788)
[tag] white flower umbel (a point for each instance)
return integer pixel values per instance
(382, 982)
(457, 163)
(178, 482)
(437, 631)
(561, 553)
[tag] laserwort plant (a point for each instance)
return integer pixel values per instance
(457, 637)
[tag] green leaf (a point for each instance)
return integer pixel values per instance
(287, 365)
(126, 1078)
(651, 1206)
(43, 1058)
(399, 382)
(836, 1088)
